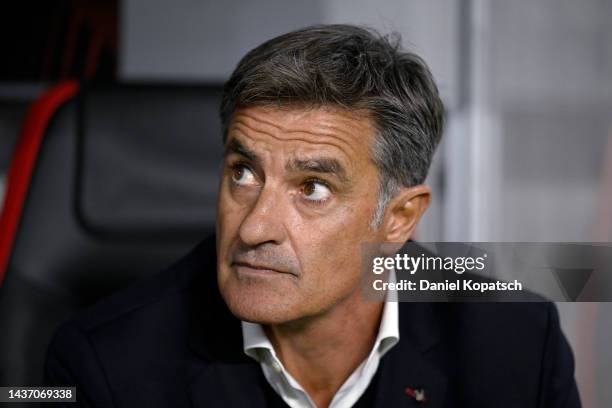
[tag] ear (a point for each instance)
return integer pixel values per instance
(404, 211)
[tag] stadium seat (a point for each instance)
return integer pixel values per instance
(107, 184)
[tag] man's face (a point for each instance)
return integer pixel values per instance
(297, 195)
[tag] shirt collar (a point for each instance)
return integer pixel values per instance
(254, 338)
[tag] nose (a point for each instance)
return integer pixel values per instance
(264, 222)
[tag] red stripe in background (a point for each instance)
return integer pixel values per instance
(23, 160)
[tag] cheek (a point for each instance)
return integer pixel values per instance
(330, 249)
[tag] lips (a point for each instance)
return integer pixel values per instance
(257, 267)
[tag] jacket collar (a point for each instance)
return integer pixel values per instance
(411, 364)
(213, 332)
(225, 376)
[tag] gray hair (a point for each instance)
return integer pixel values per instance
(354, 68)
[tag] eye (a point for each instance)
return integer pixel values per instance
(243, 176)
(316, 191)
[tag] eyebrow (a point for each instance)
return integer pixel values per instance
(323, 165)
(235, 146)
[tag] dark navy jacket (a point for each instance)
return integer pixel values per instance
(172, 342)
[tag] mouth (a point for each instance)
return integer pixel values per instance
(256, 269)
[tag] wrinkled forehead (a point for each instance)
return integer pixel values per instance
(333, 130)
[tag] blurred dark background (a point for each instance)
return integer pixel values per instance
(45, 41)
(527, 154)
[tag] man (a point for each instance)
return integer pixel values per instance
(328, 132)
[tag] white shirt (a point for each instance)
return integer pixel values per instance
(257, 346)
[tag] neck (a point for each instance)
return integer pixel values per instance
(323, 351)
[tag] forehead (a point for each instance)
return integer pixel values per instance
(348, 133)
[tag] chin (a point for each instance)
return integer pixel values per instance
(259, 304)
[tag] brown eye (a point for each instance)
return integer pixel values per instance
(316, 191)
(237, 173)
(309, 188)
(243, 176)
